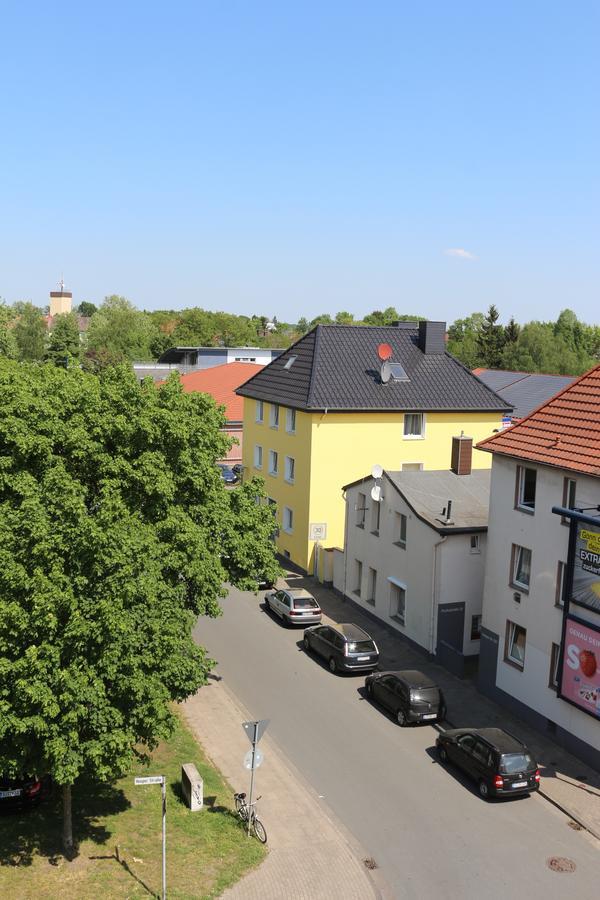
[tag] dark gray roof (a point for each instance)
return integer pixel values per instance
(522, 390)
(427, 493)
(336, 367)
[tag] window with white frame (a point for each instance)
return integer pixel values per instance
(514, 648)
(400, 530)
(290, 421)
(288, 519)
(274, 415)
(569, 496)
(525, 489)
(554, 661)
(414, 425)
(560, 583)
(397, 602)
(361, 509)
(371, 586)
(260, 411)
(273, 462)
(375, 516)
(257, 456)
(357, 576)
(290, 466)
(521, 567)
(475, 544)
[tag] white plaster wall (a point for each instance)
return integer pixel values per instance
(547, 538)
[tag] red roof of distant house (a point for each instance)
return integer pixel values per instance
(564, 431)
(221, 382)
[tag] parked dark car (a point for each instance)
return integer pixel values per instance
(238, 469)
(227, 474)
(294, 606)
(410, 695)
(27, 791)
(346, 647)
(499, 762)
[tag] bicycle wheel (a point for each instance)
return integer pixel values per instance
(259, 830)
(241, 808)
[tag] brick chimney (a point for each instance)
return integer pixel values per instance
(462, 455)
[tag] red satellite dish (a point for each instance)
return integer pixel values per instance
(384, 351)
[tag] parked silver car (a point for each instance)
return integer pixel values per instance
(294, 606)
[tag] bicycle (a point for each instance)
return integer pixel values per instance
(245, 812)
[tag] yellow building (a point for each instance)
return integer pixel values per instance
(344, 398)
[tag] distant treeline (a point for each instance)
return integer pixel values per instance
(117, 332)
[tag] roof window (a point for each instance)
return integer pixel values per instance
(290, 362)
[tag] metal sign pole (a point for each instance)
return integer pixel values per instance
(164, 839)
(252, 778)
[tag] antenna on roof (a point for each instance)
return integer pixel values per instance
(376, 472)
(384, 352)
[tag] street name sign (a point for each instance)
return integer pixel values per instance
(150, 779)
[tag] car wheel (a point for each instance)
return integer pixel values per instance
(484, 790)
(443, 756)
(401, 717)
(332, 665)
(306, 643)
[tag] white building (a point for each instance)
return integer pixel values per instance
(414, 559)
(549, 459)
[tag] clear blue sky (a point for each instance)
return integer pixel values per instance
(292, 159)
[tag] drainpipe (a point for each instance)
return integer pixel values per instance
(345, 545)
(434, 595)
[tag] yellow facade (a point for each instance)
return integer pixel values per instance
(333, 449)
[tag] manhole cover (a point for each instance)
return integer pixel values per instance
(370, 862)
(561, 864)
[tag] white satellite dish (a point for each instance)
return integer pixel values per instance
(377, 471)
(376, 493)
(385, 373)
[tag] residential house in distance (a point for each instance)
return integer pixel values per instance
(535, 631)
(221, 383)
(343, 398)
(191, 359)
(414, 555)
(524, 391)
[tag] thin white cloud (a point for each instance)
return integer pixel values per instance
(460, 253)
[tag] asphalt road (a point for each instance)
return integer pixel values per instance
(426, 827)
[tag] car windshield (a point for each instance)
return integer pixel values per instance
(361, 647)
(425, 695)
(305, 603)
(510, 763)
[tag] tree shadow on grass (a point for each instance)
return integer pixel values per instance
(37, 831)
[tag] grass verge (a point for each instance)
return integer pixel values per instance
(119, 832)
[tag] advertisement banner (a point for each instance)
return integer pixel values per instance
(580, 676)
(586, 567)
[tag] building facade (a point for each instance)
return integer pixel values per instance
(549, 459)
(321, 415)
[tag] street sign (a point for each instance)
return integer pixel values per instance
(253, 755)
(255, 730)
(317, 531)
(150, 779)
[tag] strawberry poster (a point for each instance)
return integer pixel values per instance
(580, 682)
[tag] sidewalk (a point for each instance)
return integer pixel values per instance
(566, 782)
(311, 857)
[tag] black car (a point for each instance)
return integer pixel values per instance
(227, 474)
(27, 791)
(346, 647)
(499, 762)
(410, 695)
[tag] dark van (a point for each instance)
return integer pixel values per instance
(346, 647)
(408, 694)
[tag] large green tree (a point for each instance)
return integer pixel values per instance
(116, 532)
(64, 344)
(119, 328)
(30, 332)
(8, 344)
(490, 339)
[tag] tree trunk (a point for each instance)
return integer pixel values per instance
(67, 821)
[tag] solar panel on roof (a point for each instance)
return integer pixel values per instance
(398, 373)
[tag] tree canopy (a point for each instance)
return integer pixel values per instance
(116, 532)
(64, 345)
(30, 332)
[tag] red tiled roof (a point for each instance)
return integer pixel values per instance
(564, 431)
(221, 382)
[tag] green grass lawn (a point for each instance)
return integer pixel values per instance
(119, 832)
